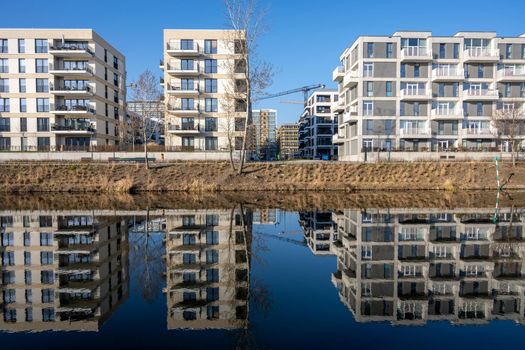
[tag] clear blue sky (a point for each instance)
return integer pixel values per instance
(304, 40)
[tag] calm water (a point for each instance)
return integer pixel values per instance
(246, 277)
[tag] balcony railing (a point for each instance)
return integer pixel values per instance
(175, 107)
(60, 67)
(415, 93)
(415, 51)
(195, 69)
(71, 47)
(414, 132)
(481, 52)
(481, 93)
(448, 72)
(183, 88)
(184, 127)
(477, 131)
(73, 127)
(447, 112)
(517, 72)
(187, 47)
(74, 108)
(60, 87)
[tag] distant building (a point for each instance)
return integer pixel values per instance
(264, 134)
(319, 232)
(154, 125)
(288, 141)
(317, 126)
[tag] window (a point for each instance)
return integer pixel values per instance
(48, 314)
(42, 85)
(4, 85)
(46, 239)
(370, 88)
(5, 123)
(212, 312)
(210, 124)
(188, 258)
(368, 70)
(29, 314)
(8, 258)
(508, 51)
(21, 65)
(188, 239)
(4, 105)
(28, 277)
(210, 66)
(456, 51)
(115, 79)
(9, 296)
(7, 239)
(388, 88)
(43, 143)
(481, 71)
(212, 275)
(46, 258)
(106, 55)
(186, 44)
(3, 46)
(41, 65)
(41, 45)
(210, 85)
(417, 109)
(441, 90)
(479, 109)
(115, 62)
(455, 89)
(186, 65)
(27, 258)
(22, 85)
(42, 105)
(23, 122)
(417, 71)
(402, 109)
(211, 143)
(389, 50)
(212, 237)
(211, 105)
(187, 104)
(212, 293)
(212, 219)
(4, 65)
(5, 143)
(212, 256)
(370, 50)
(368, 108)
(23, 109)
(442, 50)
(522, 89)
(187, 84)
(210, 46)
(403, 72)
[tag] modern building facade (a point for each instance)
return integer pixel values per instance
(408, 266)
(154, 124)
(207, 261)
(288, 141)
(317, 126)
(263, 142)
(60, 89)
(61, 271)
(203, 72)
(415, 92)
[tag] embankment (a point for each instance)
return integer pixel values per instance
(291, 176)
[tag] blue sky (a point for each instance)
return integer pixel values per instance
(304, 40)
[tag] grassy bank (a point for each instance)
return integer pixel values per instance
(294, 176)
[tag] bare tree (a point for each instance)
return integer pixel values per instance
(246, 20)
(146, 89)
(382, 131)
(508, 125)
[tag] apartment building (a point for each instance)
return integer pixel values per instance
(154, 123)
(415, 92)
(288, 141)
(319, 232)
(207, 262)
(203, 72)
(409, 266)
(61, 271)
(60, 89)
(263, 136)
(317, 126)
(265, 216)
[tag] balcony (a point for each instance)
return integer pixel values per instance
(480, 94)
(447, 113)
(480, 54)
(59, 89)
(195, 70)
(337, 139)
(81, 71)
(338, 74)
(184, 129)
(477, 133)
(448, 73)
(161, 65)
(416, 53)
(512, 74)
(80, 50)
(179, 49)
(183, 110)
(77, 110)
(75, 128)
(351, 78)
(415, 94)
(415, 133)
(182, 90)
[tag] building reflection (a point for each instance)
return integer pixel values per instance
(208, 262)
(61, 272)
(319, 232)
(409, 266)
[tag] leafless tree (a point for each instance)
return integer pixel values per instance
(381, 130)
(246, 19)
(147, 89)
(508, 124)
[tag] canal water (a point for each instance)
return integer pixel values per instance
(236, 275)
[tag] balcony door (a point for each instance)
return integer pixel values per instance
(412, 89)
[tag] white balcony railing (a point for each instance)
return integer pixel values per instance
(518, 72)
(476, 131)
(423, 131)
(338, 72)
(481, 93)
(448, 72)
(481, 52)
(447, 112)
(415, 93)
(415, 51)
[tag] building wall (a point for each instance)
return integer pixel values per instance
(70, 117)
(288, 141)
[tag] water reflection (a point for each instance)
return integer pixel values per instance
(409, 266)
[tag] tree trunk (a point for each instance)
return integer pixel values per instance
(232, 148)
(145, 149)
(248, 113)
(513, 153)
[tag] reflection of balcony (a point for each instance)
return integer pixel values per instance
(480, 54)
(416, 53)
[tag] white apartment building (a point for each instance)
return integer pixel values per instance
(60, 89)
(317, 125)
(415, 92)
(202, 74)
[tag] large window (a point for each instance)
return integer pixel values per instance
(210, 46)
(187, 84)
(42, 124)
(368, 108)
(211, 143)
(210, 66)
(186, 64)
(210, 124)
(442, 50)
(21, 65)
(5, 143)
(3, 45)
(41, 45)
(186, 44)
(21, 46)
(42, 105)
(23, 106)
(388, 87)
(4, 85)
(5, 124)
(187, 104)
(370, 50)
(42, 85)
(4, 65)
(210, 85)
(22, 85)
(41, 65)
(211, 105)
(4, 105)
(389, 50)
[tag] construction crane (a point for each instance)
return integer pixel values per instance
(305, 90)
(283, 239)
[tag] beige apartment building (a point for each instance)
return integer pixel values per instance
(207, 262)
(203, 74)
(319, 231)
(60, 89)
(288, 141)
(61, 271)
(408, 266)
(413, 95)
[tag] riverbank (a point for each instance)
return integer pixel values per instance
(285, 176)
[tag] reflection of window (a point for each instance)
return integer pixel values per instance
(366, 252)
